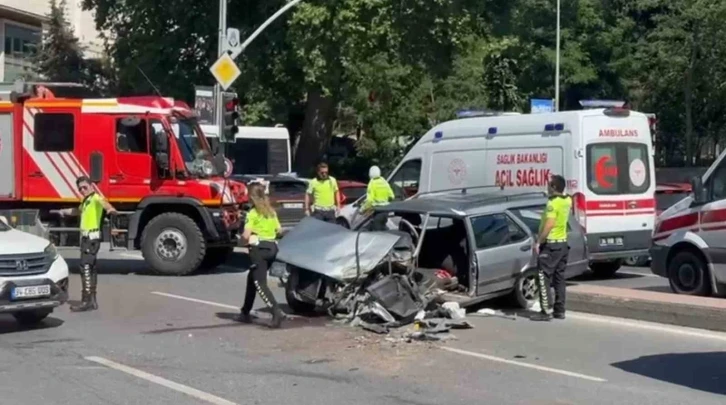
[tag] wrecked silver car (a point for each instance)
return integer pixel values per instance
(462, 247)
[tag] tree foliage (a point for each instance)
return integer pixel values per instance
(384, 71)
(60, 55)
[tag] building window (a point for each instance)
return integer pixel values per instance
(53, 132)
(21, 44)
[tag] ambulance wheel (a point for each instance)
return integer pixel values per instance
(605, 269)
(173, 244)
(687, 274)
(215, 257)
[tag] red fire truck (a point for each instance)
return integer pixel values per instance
(146, 155)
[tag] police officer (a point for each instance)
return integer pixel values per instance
(552, 250)
(326, 199)
(379, 193)
(262, 228)
(91, 212)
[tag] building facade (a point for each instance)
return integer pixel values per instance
(21, 28)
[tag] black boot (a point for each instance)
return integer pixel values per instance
(266, 295)
(87, 300)
(94, 285)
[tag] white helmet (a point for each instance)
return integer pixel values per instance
(374, 172)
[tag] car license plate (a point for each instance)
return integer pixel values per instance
(30, 292)
(292, 206)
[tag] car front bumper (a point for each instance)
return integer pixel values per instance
(58, 295)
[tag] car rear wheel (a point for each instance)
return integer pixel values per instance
(526, 291)
(688, 274)
(605, 269)
(31, 318)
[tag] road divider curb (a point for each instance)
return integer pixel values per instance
(665, 308)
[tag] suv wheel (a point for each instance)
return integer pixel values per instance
(687, 274)
(31, 318)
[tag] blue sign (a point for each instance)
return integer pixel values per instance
(539, 106)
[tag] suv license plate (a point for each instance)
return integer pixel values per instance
(292, 206)
(30, 292)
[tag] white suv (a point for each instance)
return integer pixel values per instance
(33, 277)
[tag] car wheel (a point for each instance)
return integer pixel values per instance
(631, 261)
(173, 244)
(526, 291)
(688, 274)
(31, 318)
(605, 269)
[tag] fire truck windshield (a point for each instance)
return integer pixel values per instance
(197, 158)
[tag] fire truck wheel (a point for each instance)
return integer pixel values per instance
(605, 269)
(173, 244)
(688, 274)
(215, 257)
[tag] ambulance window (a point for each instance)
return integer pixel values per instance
(53, 132)
(405, 182)
(618, 168)
(132, 135)
(718, 184)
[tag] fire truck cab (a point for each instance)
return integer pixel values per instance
(146, 155)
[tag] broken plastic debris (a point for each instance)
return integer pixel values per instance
(454, 311)
(420, 315)
(493, 312)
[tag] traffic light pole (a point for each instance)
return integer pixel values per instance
(218, 96)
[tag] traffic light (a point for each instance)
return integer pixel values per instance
(231, 120)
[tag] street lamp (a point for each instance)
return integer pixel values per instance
(557, 61)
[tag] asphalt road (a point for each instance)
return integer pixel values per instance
(639, 278)
(163, 340)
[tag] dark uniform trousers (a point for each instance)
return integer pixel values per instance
(262, 257)
(552, 265)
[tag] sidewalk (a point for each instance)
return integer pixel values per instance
(682, 310)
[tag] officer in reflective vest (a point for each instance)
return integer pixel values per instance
(379, 193)
(91, 212)
(326, 199)
(552, 250)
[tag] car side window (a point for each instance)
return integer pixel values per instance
(532, 216)
(496, 230)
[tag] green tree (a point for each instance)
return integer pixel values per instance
(60, 55)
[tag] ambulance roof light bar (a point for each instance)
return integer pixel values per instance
(591, 104)
(472, 113)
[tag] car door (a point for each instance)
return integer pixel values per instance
(503, 248)
(577, 259)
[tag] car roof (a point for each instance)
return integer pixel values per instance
(463, 203)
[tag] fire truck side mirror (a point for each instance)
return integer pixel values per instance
(96, 173)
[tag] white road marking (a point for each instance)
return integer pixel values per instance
(521, 364)
(192, 392)
(633, 273)
(651, 326)
(211, 303)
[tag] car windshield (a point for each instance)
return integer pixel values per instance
(663, 201)
(288, 188)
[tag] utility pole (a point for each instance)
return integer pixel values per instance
(218, 98)
(557, 62)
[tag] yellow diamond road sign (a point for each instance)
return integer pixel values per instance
(225, 71)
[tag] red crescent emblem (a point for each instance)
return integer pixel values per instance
(603, 172)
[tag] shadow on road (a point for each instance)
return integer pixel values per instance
(591, 276)
(8, 324)
(699, 371)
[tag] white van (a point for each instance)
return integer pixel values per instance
(606, 156)
(689, 242)
(257, 150)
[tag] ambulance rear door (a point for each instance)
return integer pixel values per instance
(620, 182)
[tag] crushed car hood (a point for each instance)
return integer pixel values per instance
(330, 249)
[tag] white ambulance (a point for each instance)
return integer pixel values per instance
(689, 242)
(606, 156)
